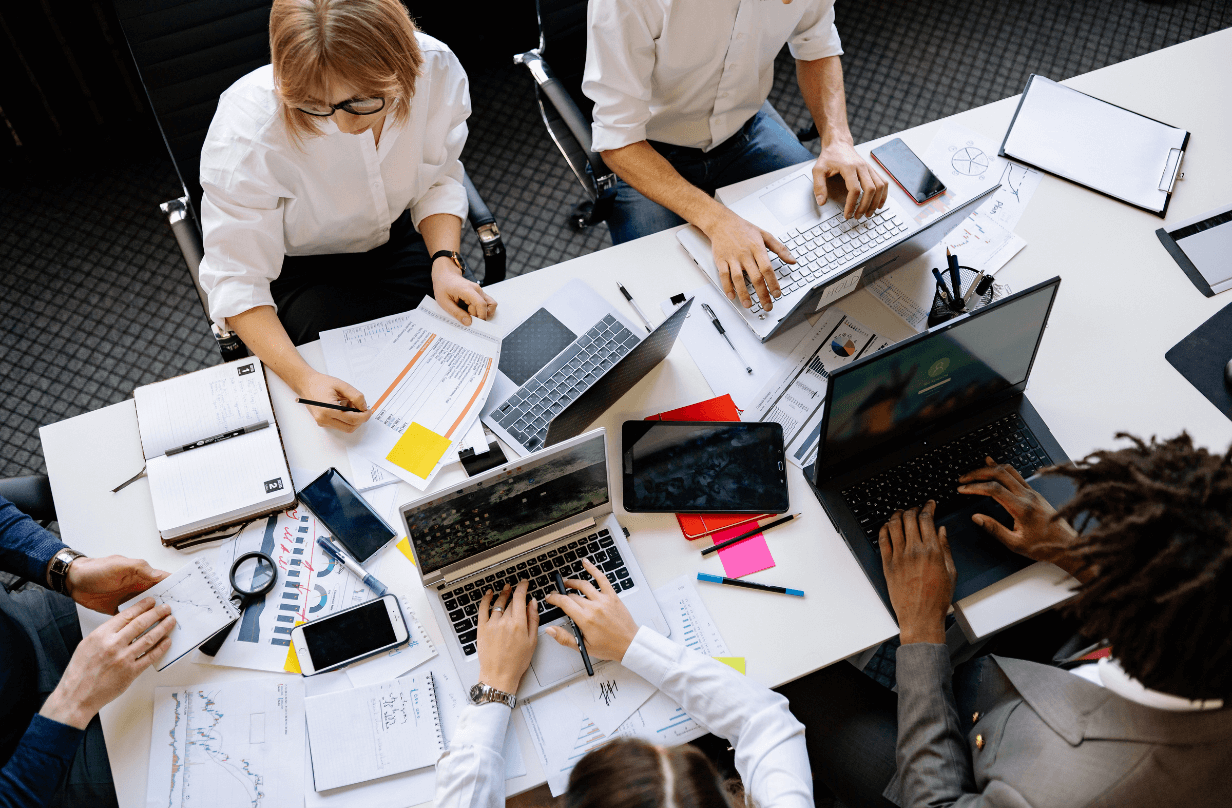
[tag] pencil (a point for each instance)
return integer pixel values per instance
(327, 406)
(753, 532)
(718, 579)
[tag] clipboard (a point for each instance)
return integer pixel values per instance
(1109, 149)
(1200, 247)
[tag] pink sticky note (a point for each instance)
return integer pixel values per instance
(745, 557)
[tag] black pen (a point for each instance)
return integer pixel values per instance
(956, 280)
(234, 433)
(753, 532)
(714, 319)
(577, 632)
(326, 405)
(942, 288)
(636, 307)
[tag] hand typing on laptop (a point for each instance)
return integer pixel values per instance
(508, 630)
(864, 189)
(919, 572)
(605, 621)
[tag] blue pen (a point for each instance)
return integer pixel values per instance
(372, 583)
(945, 290)
(719, 579)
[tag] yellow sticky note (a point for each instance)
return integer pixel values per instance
(418, 450)
(404, 547)
(736, 662)
(292, 663)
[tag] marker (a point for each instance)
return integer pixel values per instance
(577, 632)
(718, 579)
(943, 289)
(955, 273)
(234, 433)
(743, 536)
(326, 405)
(372, 583)
(636, 307)
(714, 319)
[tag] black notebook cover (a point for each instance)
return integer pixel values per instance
(1201, 358)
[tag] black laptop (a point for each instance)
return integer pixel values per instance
(903, 424)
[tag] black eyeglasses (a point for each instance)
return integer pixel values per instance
(355, 106)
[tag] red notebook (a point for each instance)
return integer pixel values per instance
(698, 525)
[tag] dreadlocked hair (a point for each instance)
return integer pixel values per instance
(1160, 545)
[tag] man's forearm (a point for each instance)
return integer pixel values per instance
(656, 179)
(263, 333)
(821, 85)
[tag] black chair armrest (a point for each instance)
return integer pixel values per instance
(31, 495)
(559, 97)
(484, 224)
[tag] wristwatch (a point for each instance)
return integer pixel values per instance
(482, 694)
(57, 571)
(453, 255)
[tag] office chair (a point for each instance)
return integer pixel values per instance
(187, 52)
(566, 110)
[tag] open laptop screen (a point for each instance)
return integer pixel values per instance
(939, 375)
(520, 500)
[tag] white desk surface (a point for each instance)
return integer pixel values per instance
(1101, 370)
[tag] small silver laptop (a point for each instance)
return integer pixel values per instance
(832, 254)
(526, 519)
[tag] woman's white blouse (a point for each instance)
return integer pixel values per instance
(267, 196)
(770, 753)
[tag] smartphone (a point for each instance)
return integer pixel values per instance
(349, 635)
(908, 171)
(348, 517)
(703, 467)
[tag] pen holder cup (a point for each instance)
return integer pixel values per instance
(941, 312)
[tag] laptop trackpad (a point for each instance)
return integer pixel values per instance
(552, 662)
(979, 558)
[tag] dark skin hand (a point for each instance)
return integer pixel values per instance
(919, 572)
(1036, 533)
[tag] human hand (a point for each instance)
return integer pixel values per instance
(866, 190)
(506, 636)
(919, 573)
(448, 287)
(107, 660)
(102, 584)
(607, 627)
(319, 387)
(1037, 534)
(739, 250)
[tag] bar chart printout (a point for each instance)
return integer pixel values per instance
(232, 745)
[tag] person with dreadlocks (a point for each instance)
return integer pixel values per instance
(1148, 535)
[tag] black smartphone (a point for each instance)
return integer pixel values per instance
(703, 467)
(908, 171)
(349, 519)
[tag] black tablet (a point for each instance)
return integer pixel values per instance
(703, 467)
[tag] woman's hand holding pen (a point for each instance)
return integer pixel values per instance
(320, 387)
(508, 630)
(607, 627)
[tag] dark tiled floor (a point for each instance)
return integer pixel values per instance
(94, 300)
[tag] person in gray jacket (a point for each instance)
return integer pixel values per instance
(1149, 724)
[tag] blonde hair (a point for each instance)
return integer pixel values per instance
(369, 44)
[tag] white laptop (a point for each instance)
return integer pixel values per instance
(832, 254)
(524, 520)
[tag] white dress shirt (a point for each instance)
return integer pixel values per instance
(692, 72)
(1109, 673)
(769, 742)
(267, 196)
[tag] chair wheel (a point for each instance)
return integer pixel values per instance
(580, 216)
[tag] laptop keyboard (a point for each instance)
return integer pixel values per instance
(934, 474)
(526, 414)
(828, 247)
(462, 602)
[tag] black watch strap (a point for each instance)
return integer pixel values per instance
(452, 255)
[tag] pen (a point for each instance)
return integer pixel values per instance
(372, 583)
(636, 307)
(955, 274)
(753, 532)
(942, 288)
(234, 433)
(326, 405)
(718, 579)
(714, 319)
(577, 632)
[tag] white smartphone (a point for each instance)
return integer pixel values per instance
(349, 635)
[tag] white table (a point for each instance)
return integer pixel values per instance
(1101, 370)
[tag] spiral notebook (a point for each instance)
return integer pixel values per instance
(374, 731)
(199, 602)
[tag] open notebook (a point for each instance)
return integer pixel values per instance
(199, 603)
(223, 483)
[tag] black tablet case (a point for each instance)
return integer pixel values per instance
(1201, 358)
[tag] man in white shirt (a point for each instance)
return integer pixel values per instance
(678, 87)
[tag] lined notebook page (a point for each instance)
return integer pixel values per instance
(375, 731)
(201, 405)
(199, 602)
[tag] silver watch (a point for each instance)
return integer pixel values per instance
(57, 570)
(482, 694)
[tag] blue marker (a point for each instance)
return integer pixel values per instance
(718, 579)
(372, 583)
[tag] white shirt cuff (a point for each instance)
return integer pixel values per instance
(652, 656)
(447, 196)
(484, 726)
(809, 48)
(605, 137)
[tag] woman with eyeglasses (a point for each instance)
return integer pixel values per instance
(333, 193)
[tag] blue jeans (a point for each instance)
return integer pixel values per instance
(761, 146)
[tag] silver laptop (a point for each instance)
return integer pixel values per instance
(832, 254)
(525, 519)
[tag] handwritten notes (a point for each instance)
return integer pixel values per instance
(610, 696)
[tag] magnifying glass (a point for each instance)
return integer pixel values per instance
(252, 576)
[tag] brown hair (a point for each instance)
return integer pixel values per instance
(631, 773)
(1160, 545)
(368, 43)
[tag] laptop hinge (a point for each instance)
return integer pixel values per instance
(500, 560)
